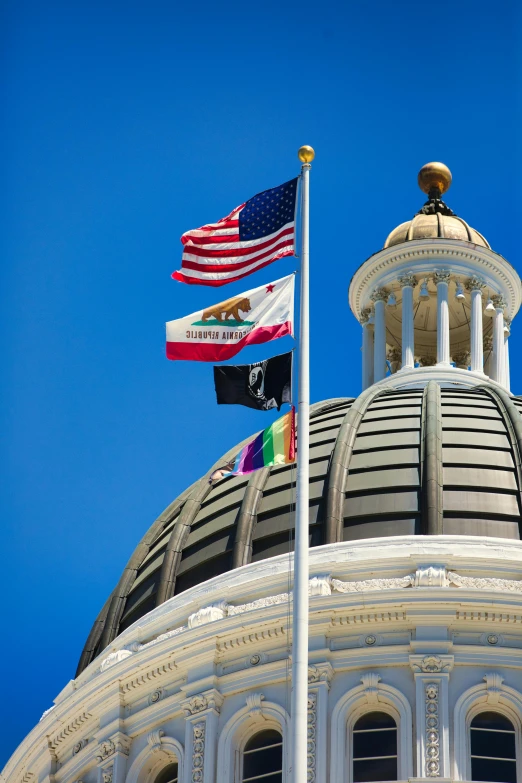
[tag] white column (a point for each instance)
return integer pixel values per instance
(379, 297)
(441, 279)
(497, 359)
(408, 282)
(367, 350)
(507, 332)
(475, 286)
(488, 350)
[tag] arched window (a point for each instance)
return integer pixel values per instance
(169, 774)
(263, 758)
(374, 738)
(493, 754)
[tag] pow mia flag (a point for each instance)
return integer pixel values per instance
(263, 385)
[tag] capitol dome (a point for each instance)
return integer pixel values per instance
(371, 474)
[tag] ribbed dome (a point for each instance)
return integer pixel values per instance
(422, 461)
(435, 226)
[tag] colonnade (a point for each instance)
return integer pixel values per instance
(374, 330)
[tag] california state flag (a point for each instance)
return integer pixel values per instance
(217, 333)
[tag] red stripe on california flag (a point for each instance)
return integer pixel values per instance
(207, 352)
(199, 279)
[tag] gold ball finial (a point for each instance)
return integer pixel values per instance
(306, 154)
(434, 176)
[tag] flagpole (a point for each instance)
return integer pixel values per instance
(299, 709)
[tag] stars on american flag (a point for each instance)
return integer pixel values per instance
(267, 212)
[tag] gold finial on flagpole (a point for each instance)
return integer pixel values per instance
(306, 154)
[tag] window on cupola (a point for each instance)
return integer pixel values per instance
(493, 751)
(168, 775)
(374, 739)
(263, 758)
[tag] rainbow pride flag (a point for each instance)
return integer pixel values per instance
(273, 446)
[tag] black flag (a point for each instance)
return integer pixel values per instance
(263, 385)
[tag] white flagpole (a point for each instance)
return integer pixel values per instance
(299, 717)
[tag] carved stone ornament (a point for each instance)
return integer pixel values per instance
(431, 576)
(427, 361)
(198, 751)
(311, 732)
(441, 276)
(379, 295)
(154, 739)
(370, 681)
(106, 775)
(373, 584)
(475, 283)
(366, 315)
(260, 603)
(211, 700)
(156, 696)
(114, 658)
(493, 686)
(79, 746)
(207, 614)
(431, 664)
(105, 749)
(432, 749)
(321, 672)
(499, 302)
(253, 702)
(462, 359)
(117, 744)
(320, 585)
(407, 279)
(488, 344)
(485, 582)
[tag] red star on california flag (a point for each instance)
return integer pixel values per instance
(270, 288)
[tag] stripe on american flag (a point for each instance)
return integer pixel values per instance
(215, 254)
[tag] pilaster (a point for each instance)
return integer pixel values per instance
(201, 715)
(431, 674)
(319, 678)
(112, 757)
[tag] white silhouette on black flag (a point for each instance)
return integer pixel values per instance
(263, 385)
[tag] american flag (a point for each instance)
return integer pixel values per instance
(254, 234)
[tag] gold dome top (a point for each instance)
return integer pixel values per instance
(435, 220)
(434, 176)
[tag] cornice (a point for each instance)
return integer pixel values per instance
(423, 256)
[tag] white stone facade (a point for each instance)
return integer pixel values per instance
(425, 629)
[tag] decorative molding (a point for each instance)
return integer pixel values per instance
(260, 603)
(320, 585)
(431, 664)
(251, 638)
(154, 739)
(253, 702)
(431, 576)
(156, 696)
(432, 748)
(370, 682)
(114, 658)
(208, 700)
(79, 746)
(379, 295)
(370, 617)
(311, 732)
(320, 672)
(365, 317)
(70, 729)
(407, 279)
(475, 283)
(441, 276)
(493, 687)
(489, 617)
(373, 584)
(46, 712)
(198, 751)
(208, 614)
(499, 301)
(148, 677)
(107, 774)
(118, 743)
(485, 582)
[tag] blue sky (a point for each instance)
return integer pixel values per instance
(126, 124)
